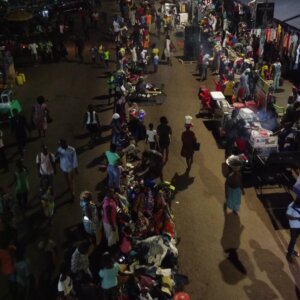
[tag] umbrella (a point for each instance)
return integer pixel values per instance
(18, 16)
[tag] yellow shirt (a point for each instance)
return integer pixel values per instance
(263, 70)
(228, 90)
(155, 51)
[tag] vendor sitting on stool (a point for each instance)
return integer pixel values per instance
(141, 86)
(152, 165)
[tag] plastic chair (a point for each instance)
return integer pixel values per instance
(6, 96)
(204, 97)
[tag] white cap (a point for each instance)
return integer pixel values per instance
(115, 116)
(188, 120)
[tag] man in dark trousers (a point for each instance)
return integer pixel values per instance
(20, 128)
(293, 215)
(79, 44)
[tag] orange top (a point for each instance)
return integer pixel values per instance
(148, 19)
(7, 265)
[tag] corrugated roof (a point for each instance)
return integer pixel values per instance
(285, 10)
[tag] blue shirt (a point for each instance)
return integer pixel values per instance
(293, 211)
(67, 159)
(156, 60)
(109, 277)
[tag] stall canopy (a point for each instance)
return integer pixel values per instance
(18, 16)
(287, 11)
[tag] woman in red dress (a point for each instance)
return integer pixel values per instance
(188, 142)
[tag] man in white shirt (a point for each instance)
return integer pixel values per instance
(117, 28)
(65, 284)
(293, 215)
(68, 164)
(205, 64)
(33, 49)
(276, 74)
(45, 162)
(133, 57)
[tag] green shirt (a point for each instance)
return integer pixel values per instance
(22, 184)
(106, 55)
(111, 81)
(112, 158)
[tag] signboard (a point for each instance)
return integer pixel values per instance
(264, 15)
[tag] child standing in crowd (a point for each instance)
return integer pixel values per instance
(100, 51)
(21, 184)
(151, 137)
(155, 63)
(47, 201)
(106, 57)
(93, 54)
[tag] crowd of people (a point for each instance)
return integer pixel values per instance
(129, 245)
(245, 59)
(130, 228)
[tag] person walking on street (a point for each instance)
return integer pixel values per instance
(94, 52)
(46, 167)
(151, 137)
(111, 81)
(233, 185)
(200, 61)
(189, 140)
(113, 170)
(21, 184)
(79, 44)
(167, 50)
(34, 53)
(91, 220)
(277, 74)
(158, 22)
(106, 58)
(164, 132)
(109, 217)
(20, 128)
(92, 123)
(39, 116)
(80, 261)
(205, 64)
(3, 159)
(100, 50)
(68, 164)
(155, 63)
(116, 128)
(293, 215)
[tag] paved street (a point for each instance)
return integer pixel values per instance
(255, 268)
